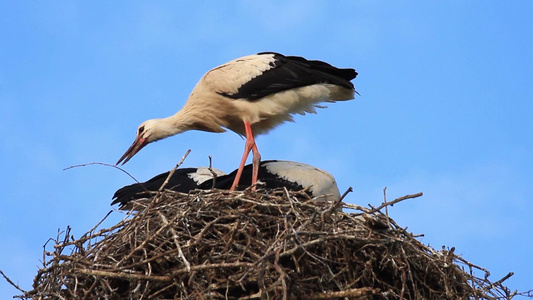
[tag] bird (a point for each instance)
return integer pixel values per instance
(250, 96)
(273, 174)
(183, 180)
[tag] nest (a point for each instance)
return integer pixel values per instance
(255, 245)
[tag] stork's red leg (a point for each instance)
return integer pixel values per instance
(256, 160)
(249, 145)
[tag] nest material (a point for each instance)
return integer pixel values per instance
(254, 245)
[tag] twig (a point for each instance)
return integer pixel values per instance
(11, 282)
(337, 202)
(386, 207)
(174, 170)
(214, 266)
(499, 282)
(128, 276)
(102, 164)
(396, 201)
(349, 190)
(528, 294)
(176, 242)
(97, 224)
(212, 172)
(358, 292)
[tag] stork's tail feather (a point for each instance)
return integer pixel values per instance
(347, 74)
(328, 73)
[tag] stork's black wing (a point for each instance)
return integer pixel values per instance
(270, 180)
(289, 72)
(180, 182)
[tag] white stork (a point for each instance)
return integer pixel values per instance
(183, 180)
(251, 95)
(272, 174)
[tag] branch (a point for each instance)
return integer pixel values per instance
(391, 203)
(12, 283)
(102, 164)
(347, 293)
(174, 170)
(123, 275)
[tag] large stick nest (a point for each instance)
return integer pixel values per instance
(254, 245)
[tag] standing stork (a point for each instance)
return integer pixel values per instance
(251, 95)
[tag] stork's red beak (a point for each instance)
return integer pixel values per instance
(137, 145)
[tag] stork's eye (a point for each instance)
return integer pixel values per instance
(141, 130)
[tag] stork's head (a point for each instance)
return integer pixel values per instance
(149, 131)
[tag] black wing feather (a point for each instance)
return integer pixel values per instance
(289, 72)
(180, 182)
(270, 180)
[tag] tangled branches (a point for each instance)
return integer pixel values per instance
(254, 245)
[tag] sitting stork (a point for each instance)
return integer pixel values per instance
(251, 95)
(183, 180)
(272, 174)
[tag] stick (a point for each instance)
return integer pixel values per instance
(11, 282)
(102, 164)
(339, 201)
(212, 172)
(386, 207)
(176, 242)
(396, 201)
(128, 276)
(347, 293)
(174, 170)
(349, 190)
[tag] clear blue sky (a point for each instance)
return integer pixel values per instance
(446, 108)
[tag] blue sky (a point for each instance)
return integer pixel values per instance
(445, 109)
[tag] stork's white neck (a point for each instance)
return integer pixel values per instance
(197, 115)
